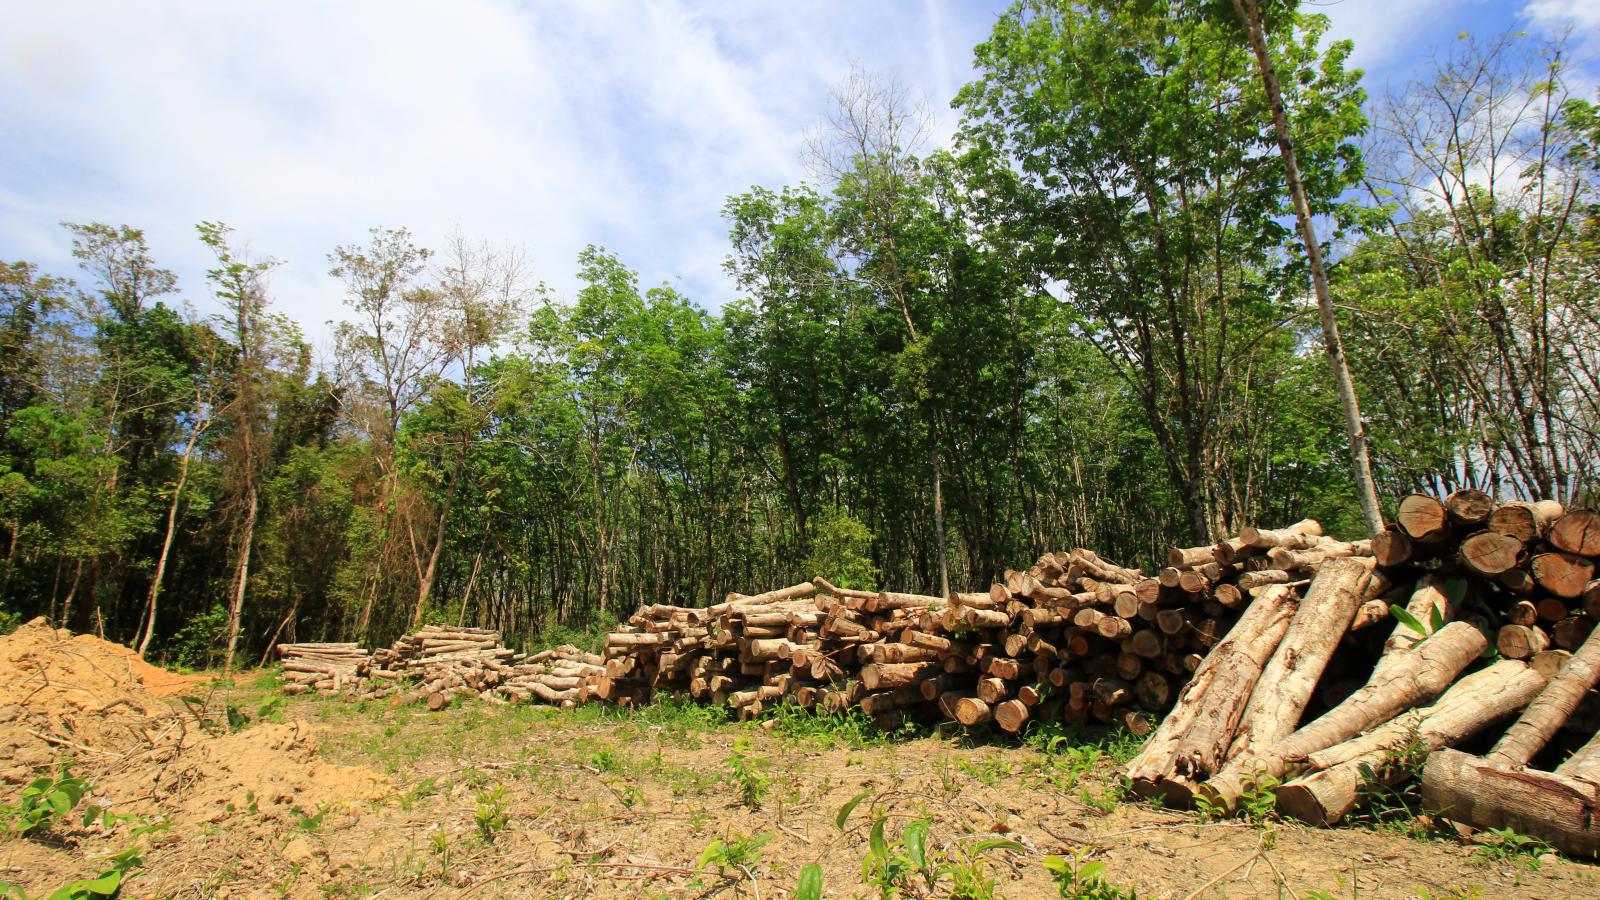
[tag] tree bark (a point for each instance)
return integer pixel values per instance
(1360, 465)
(1556, 808)
(1546, 714)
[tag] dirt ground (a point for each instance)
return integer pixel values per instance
(324, 797)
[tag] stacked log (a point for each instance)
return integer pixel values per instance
(321, 667)
(1073, 638)
(1306, 697)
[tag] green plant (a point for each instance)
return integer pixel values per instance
(308, 822)
(892, 868)
(745, 772)
(1104, 802)
(107, 884)
(46, 801)
(1079, 879)
(491, 817)
(441, 851)
(1506, 845)
(733, 852)
(809, 886)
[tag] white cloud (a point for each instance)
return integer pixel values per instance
(551, 125)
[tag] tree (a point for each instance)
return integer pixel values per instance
(1135, 132)
(1249, 14)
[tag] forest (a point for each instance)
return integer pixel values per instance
(1087, 322)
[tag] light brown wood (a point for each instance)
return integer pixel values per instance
(1476, 792)
(1540, 721)
(1469, 506)
(1578, 531)
(1491, 553)
(1563, 574)
(1423, 519)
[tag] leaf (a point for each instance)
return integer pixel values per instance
(1090, 871)
(1056, 864)
(848, 808)
(915, 837)
(809, 886)
(714, 850)
(1435, 618)
(879, 845)
(1405, 618)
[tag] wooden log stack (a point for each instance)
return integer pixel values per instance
(1305, 696)
(322, 667)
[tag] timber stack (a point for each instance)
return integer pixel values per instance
(1495, 605)
(1073, 638)
(322, 666)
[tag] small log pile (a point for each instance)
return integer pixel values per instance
(436, 663)
(1304, 696)
(322, 667)
(1073, 638)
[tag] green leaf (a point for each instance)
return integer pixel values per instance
(915, 837)
(848, 808)
(1056, 864)
(1089, 871)
(879, 844)
(714, 850)
(1405, 618)
(1435, 618)
(997, 844)
(810, 885)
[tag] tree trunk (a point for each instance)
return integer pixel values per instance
(425, 584)
(1361, 467)
(1552, 708)
(1476, 792)
(149, 629)
(241, 579)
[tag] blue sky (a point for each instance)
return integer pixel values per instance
(548, 125)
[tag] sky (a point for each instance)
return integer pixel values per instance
(543, 125)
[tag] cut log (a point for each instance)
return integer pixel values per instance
(888, 676)
(1476, 792)
(1471, 705)
(971, 712)
(1423, 518)
(1545, 715)
(1391, 547)
(1577, 532)
(1011, 715)
(1190, 742)
(1521, 641)
(1562, 574)
(1469, 506)
(1526, 522)
(1301, 534)
(1491, 553)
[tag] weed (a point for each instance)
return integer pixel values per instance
(441, 851)
(106, 884)
(894, 868)
(308, 822)
(990, 770)
(850, 728)
(1105, 802)
(1506, 845)
(46, 801)
(745, 772)
(491, 817)
(733, 852)
(1080, 879)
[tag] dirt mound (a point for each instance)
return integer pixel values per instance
(75, 695)
(262, 773)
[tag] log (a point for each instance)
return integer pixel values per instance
(1490, 553)
(1011, 715)
(1545, 715)
(1521, 641)
(1469, 506)
(1295, 536)
(1563, 574)
(848, 593)
(1471, 705)
(1189, 743)
(1391, 547)
(971, 712)
(1423, 519)
(1417, 676)
(1526, 522)
(1289, 681)
(803, 589)
(1577, 532)
(1555, 808)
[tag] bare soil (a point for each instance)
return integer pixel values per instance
(324, 797)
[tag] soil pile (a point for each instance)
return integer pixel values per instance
(78, 695)
(262, 773)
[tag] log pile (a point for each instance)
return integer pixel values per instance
(1304, 696)
(322, 667)
(435, 663)
(1073, 638)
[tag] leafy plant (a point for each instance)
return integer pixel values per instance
(1506, 845)
(491, 817)
(106, 884)
(46, 801)
(309, 822)
(733, 852)
(1079, 878)
(894, 867)
(745, 772)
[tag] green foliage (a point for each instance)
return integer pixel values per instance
(45, 802)
(195, 645)
(732, 852)
(491, 816)
(747, 773)
(910, 863)
(1506, 845)
(809, 885)
(1080, 878)
(841, 551)
(105, 885)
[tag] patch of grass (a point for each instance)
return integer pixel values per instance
(990, 770)
(1080, 879)
(1506, 845)
(851, 729)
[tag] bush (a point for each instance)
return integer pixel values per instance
(841, 551)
